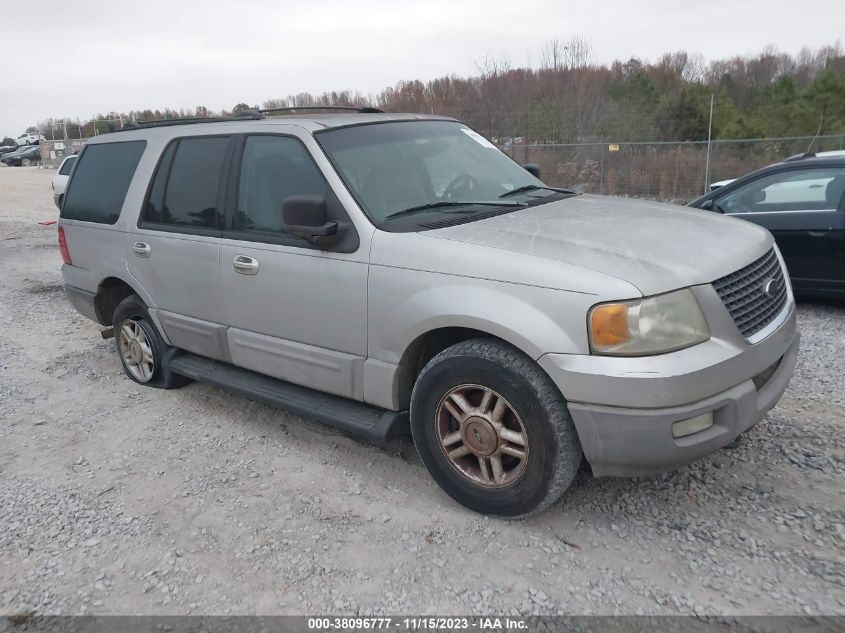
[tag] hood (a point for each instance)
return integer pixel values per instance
(654, 246)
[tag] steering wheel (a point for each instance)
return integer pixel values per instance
(462, 184)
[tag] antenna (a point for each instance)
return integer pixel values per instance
(819, 131)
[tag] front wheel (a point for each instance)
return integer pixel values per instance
(493, 429)
(26, 162)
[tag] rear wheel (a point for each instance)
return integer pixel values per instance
(493, 430)
(140, 347)
(26, 162)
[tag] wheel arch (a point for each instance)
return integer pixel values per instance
(428, 344)
(421, 350)
(413, 328)
(110, 292)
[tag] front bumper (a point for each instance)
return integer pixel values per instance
(624, 408)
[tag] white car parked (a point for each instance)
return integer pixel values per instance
(29, 139)
(61, 178)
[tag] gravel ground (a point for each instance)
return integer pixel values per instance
(119, 499)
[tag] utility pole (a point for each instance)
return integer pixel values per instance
(709, 147)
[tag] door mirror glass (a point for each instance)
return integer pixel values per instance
(306, 216)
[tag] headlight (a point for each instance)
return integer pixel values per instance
(653, 325)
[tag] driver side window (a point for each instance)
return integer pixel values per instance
(273, 168)
(794, 190)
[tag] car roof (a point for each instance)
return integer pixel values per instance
(815, 160)
(310, 122)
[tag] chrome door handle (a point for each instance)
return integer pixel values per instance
(820, 233)
(245, 265)
(141, 249)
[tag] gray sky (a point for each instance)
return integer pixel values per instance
(75, 58)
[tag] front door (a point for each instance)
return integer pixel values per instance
(295, 312)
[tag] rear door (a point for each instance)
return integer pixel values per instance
(803, 208)
(175, 249)
(295, 312)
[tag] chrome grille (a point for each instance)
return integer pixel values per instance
(744, 293)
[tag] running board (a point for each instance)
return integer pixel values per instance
(350, 416)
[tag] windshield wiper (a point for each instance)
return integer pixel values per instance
(453, 203)
(534, 188)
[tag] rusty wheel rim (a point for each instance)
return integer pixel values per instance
(481, 436)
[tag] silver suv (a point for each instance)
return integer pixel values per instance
(384, 272)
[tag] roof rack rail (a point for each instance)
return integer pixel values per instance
(185, 120)
(245, 115)
(361, 109)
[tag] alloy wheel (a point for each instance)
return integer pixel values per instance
(482, 436)
(136, 351)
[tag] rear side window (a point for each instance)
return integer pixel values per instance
(186, 187)
(101, 180)
(66, 166)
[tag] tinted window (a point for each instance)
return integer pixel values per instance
(101, 180)
(273, 168)
(794, 190)
(66, 166)
(187, 183)
(152, 213)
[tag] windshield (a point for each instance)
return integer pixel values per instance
(394, 166)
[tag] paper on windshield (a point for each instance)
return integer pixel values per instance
(478, 138)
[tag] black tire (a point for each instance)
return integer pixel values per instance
(553, 450)
(133, 312)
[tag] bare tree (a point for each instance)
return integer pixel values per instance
(557, 54)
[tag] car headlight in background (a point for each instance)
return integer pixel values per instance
(652, 325)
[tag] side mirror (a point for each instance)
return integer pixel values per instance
(306, 217)
(707, 205)
(533, 169)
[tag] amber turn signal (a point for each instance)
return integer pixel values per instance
(609, 324)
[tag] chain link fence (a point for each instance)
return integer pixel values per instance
(666, 171)
(54, 152)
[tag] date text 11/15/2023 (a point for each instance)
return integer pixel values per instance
(421, 623)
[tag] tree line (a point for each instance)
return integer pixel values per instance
(568, 98)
